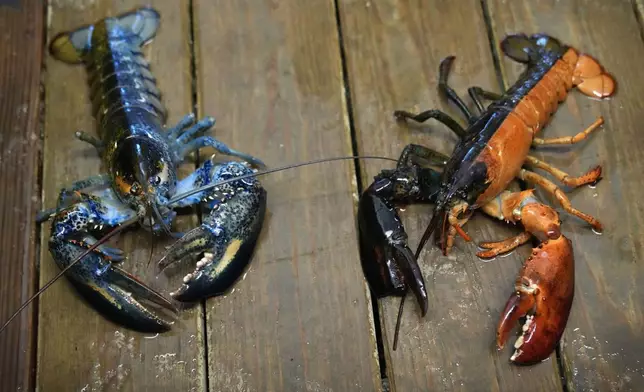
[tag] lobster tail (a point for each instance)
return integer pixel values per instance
(71, 46)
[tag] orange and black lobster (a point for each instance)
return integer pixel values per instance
(491, 153)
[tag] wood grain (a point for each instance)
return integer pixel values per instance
(78, 349)
(20, 107)
(394, 49)
(270, 72)
(602, 345)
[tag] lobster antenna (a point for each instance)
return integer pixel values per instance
(98, 243)
(430, 229)
(164, 226)
(151, 242)
(268, 171)
(400, 312)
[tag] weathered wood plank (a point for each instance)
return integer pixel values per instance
(20, 67)
(270, 72)
(602, 345)
(394, 49)
(78, 349)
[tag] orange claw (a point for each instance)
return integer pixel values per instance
(544, 295)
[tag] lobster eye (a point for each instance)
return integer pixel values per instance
(155, 180)
(135, 189)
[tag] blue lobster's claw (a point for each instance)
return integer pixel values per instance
(228, 237)
(112, 291)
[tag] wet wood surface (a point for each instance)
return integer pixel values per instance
(291, 81)
(271, 73)
(20, 64)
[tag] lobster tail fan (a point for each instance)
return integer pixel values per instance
(71, 46)
(519, 47)
(546, 42)
(524, 49)
(143, 23)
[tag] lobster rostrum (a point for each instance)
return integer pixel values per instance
(492, 151)
(141, 157)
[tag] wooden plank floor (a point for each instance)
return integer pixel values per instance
(20, 65)
(291, 81)
(301, 317)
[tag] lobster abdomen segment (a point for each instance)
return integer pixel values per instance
(118, 74)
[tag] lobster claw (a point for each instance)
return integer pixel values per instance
(388, 264)
(111, 290)
(227, 246)
(544, 296)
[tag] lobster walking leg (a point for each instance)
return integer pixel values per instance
(205, 141)
(415, 154)
(561, 197)
(186, 122)
(505, 246)
(455, 226)
(87, 138)
(438, 115)
(444, 118)
(478, 94)
(569, 139)
(443, 73)
(101, 180)
(592, 176)
(69, 195)
(185, 143)
(188, 131)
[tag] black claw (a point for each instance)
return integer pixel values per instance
(387, 262)
(413, 276)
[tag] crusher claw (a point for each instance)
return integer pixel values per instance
(543, 295)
